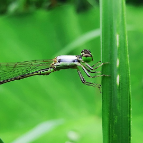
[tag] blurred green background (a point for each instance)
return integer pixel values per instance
(32, 30)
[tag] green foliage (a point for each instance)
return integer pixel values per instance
(31, 101)
(1, 141)
(18, 7)
(42, 35)
(136, 2)
(116, 88)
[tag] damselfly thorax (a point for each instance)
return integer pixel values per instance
(66, 62)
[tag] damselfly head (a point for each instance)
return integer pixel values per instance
(86, 56)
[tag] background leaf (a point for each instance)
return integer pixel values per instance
(61, 95)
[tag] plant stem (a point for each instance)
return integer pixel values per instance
(116, 102)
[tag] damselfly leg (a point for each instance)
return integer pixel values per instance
(91, 67)
(85, 68)
(87, 83)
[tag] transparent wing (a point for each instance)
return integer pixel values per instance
(12, 70)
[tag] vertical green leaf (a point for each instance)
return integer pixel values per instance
(116, 100)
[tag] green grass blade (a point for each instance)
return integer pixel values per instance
(116, 88)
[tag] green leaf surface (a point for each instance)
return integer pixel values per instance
(32, 101)
(116, 88)
(60, 95)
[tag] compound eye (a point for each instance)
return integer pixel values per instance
(86, 56)
(82, 52)
(87, 59)
(85, 52)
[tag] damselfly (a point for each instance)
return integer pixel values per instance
(16, 71)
